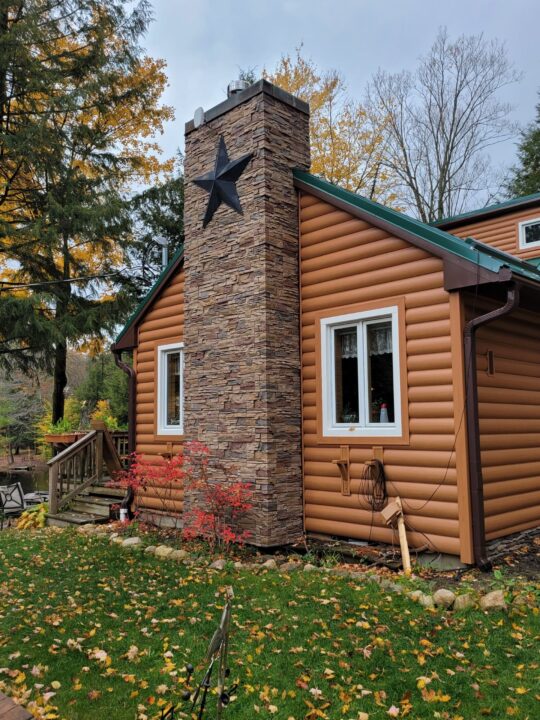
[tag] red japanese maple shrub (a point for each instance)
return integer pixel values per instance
(163, 480)
(219, 505)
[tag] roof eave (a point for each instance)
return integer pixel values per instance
(453, 264)
(127, 339)
(524, 203)
(463, 261)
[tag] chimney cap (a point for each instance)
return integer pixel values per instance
(236, 86)
(261, 86)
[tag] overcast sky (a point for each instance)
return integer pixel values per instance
(205, 42)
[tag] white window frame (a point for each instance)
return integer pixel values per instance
(523, 245)
(162, 352)
(363, 428)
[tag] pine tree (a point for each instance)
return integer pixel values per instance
(20, 408)
(79, 106)
(156, 214)
(526, 176)
(104, 381)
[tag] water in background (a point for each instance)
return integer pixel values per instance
(31, 480)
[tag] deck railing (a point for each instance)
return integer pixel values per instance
(121, 442)
(81, 465)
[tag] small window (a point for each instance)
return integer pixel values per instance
(170, 409)
(360, 374)
(529, 234)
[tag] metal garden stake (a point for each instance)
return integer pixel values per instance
(215, 656)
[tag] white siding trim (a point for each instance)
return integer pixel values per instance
(162, 427)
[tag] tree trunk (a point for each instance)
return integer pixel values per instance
(60, 353)
(60, 381)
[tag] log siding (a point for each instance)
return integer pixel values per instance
(501, 232)
(509, 416)
(345, 262)
(162, 324)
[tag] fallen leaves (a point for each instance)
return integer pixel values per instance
(116, 629)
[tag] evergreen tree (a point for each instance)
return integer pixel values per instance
(105, 381)
(79, 104)
(525, 178)
(20, 408)
(156, 214)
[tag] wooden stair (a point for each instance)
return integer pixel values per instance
(78, 477)
(91, 506)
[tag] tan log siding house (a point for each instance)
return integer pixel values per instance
(305, 332)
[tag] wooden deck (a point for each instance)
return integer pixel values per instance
(11, 711)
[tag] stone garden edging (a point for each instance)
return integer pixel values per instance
(442, 598)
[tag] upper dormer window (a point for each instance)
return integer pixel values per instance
(529, 234)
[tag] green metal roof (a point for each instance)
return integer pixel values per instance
(147, 299)
(501, 207)
(469, 249)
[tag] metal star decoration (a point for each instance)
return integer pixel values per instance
(220, 183)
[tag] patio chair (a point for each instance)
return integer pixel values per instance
(12, 499)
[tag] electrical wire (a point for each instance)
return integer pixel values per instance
(84, 278)
(373, 485)
(468, 369)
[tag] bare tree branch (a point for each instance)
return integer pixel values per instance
(441, 119)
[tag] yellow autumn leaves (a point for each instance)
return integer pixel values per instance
(347, 142)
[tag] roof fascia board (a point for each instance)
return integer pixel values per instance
(464, 274)
(474, 216)
(127, 339)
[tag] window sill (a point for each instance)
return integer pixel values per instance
(169, 436)
(350, 438)
(369, 432)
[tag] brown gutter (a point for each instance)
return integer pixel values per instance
(130, 372)
(476, 481)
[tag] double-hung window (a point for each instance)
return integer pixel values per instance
(529, 234)
(170, 395)
(360, 374)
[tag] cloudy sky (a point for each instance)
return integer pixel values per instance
(205, 42)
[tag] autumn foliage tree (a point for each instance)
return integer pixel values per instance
(79, 108)
(440, 121)
(347, 142)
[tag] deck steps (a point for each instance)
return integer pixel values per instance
(113, 492)
(89, 507)
(68, 518)
(97, 504)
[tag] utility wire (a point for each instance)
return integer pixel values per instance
(17, 286)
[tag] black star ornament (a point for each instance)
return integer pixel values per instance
(220, 183)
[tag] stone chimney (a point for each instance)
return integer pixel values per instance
(242, 334)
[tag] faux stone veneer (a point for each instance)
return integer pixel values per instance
(242, 354)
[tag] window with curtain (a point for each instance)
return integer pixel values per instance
(361, 373)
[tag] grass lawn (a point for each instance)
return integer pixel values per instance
(109, 632)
